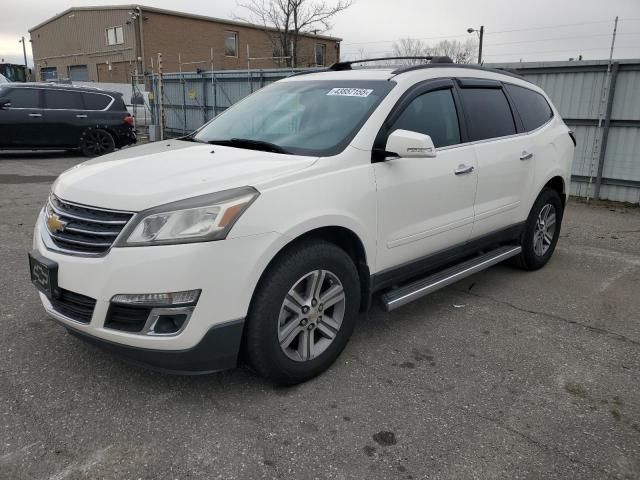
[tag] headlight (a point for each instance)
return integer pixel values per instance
(198, 219)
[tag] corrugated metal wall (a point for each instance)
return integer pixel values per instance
(576, 89)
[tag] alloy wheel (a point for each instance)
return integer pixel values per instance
(311, 315)
(97, 142)
(545, 230)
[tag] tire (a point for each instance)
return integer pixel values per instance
(537, 247)
(281, 311)
(96, 142)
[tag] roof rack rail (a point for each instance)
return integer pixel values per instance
(470, 66)
(347, 65)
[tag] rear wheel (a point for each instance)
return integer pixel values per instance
(96, 142)
(303, 313)
(542, 230)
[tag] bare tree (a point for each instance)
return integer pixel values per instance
(284, 21)
(458, 51)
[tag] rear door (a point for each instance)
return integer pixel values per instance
(425, 204)
(63, 116)
(505, 171)
(22, 121)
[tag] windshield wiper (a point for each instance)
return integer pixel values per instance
(250, 144)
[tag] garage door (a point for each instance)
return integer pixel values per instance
(78, 73)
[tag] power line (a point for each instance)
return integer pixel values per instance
(558, 51)
(491, 32)
(559, 38)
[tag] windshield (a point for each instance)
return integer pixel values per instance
(317, 118)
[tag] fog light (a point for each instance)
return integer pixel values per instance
(188, 297)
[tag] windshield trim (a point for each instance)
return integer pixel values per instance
(383, 87)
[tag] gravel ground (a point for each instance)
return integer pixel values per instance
(506, 374)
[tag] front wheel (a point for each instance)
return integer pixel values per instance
(303, 313)
(96, 142)
(542, 231)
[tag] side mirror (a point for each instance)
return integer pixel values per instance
(407, 144)
(4, 103)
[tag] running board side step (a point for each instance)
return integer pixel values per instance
(408, 293)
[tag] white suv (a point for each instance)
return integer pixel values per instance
(264, 233)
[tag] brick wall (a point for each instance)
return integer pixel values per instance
(194, 38)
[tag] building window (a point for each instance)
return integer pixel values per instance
(231, 44)
(115, 36)
(320, 54)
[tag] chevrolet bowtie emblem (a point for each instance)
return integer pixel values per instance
(54, 223)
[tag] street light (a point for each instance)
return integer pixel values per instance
(481, 35)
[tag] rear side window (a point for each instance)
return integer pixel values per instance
(118, 104)
(23, 97)
(63, 100)
(434, 114)
(95, 101)
(488, 113)
(532, 107)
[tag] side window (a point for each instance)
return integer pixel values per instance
(532, 107)
(434, 114)
(93, 101)
(63, 100)
(24, 97)
(488, 113)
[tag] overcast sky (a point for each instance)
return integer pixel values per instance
(515, 30)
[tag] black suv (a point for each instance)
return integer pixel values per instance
(50, 116)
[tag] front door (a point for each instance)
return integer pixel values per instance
(425, 205)
(22, 121)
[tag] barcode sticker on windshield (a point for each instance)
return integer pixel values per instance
(350, 92)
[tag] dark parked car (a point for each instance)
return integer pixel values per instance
(49, 116)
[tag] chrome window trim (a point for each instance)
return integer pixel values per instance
(506, 137)
(64, 109)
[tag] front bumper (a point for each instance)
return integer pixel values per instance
(217, 351)
(225, 271)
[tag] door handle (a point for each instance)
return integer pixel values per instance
(35, 115)
(81, 116)
(526, 155)
(462, 169)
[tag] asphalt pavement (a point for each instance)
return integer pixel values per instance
(507, 374)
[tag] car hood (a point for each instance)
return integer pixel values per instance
(150, 175)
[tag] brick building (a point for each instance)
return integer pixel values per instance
(109, 44)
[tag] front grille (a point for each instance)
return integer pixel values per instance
(126, 318)
(86, 229)
(73, 305)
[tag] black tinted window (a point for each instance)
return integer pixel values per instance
(488, 113)
(433, 114)
(94, 101)
(532, 107)
(23, 97)
(62, 99)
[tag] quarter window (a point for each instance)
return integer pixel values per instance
(24, 98)
(488, 113)
(95, 101)
(62, 100)
(532, 107)
(115, 36)
(434, 114)
(231, 44)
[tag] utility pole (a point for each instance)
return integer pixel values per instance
(480, 46)
(24, 52)
(481, 36)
